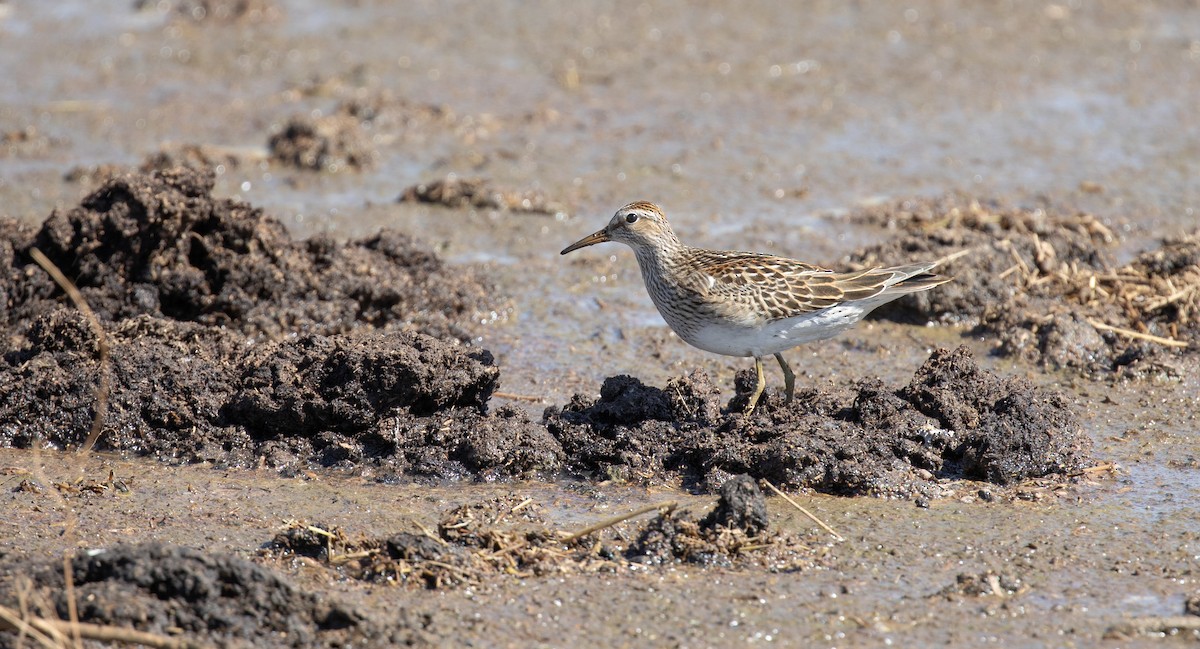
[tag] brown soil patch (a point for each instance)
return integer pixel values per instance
(479, 193)
(27, 141)
(196, 295)
(953, 420)
(159, 244)
(508, 536)
(171, 590)
(1046, 287)
(334, 142)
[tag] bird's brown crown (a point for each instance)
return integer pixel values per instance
(645, 206)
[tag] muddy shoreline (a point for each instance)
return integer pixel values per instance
(352, 395)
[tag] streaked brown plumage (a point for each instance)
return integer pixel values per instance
(750, 304)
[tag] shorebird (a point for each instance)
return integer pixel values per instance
(750, 304)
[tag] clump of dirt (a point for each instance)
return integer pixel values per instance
(194, 294)
(332, 383)
(194, 156)
(466, 444)
(170, 590)
(738, 522)
(1045, 285)
(509, 536)
(161, 244)
(953, 420)
(334, 142)
(402, 403)
(479, 193)
(741, 506)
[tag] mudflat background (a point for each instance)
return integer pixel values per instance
(347, 312)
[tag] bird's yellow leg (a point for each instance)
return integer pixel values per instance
(758, 388)
(789, 379)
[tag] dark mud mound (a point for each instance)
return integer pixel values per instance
(953, 420)
(479, 193)
(168, 382)
(177, 591)
(319, 383)
(1046, 287)
(160, 244)
(631, 432)
(402, 403)
(330, 143)
(194, 294)
(739, 518)
(509, 536)
(466, 444)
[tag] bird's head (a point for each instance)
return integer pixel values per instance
(639, 225)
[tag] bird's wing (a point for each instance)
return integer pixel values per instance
(784, 288)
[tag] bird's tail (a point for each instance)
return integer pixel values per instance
(914, 278)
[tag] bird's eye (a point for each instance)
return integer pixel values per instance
(631, 218)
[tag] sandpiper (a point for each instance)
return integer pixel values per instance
(750, 304)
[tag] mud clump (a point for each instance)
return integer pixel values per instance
(1045, 285)
(160, 244)
(739, 519)
(320, 383)
(1192, 605)
(27, 141)
(741, 506)
(193, 156)
(1008, 429)
(509, 536)
(168, 590)
(479, 193)
(195, 295)
(953, 420)
(331, 143)
(632, 431)
(399, 404)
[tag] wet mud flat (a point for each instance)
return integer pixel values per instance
(194, 299)
(213, 597)
(306, 441)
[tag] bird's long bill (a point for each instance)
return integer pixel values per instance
(590, 240)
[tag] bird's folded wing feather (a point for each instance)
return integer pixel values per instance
(781, 287)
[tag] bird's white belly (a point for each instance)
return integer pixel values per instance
(777, 336)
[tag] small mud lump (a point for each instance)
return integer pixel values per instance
(1007, 428)
(164, 588)
(741, 506)
(329, 143)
